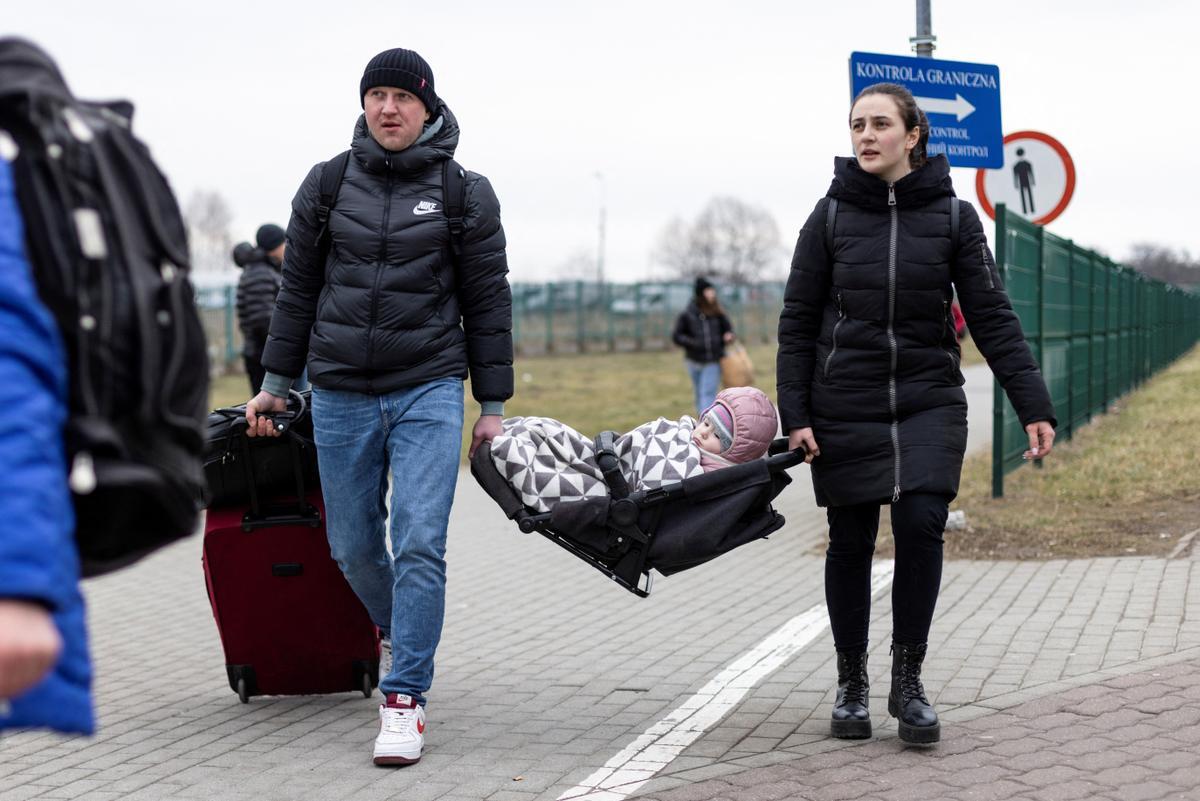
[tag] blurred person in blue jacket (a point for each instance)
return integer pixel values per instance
(45, 672)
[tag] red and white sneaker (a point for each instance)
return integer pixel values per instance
(401, 731)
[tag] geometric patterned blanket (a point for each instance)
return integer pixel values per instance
(548, 462)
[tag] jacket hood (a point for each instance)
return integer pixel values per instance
(26, 68)
(416, 157)
(754, 422)
(855, 185)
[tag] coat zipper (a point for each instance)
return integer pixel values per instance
(708, 351)
(836, 326)
(892, 339)
(383, 232)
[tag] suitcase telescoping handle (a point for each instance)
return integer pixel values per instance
(302, 513)
(282, 420)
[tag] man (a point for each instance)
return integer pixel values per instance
(257, 289)
(45, 674)
(391, 323)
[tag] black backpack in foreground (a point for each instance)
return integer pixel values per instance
(109, 253)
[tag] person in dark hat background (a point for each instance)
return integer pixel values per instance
(702, 330)
(391, 322)
(257, 289)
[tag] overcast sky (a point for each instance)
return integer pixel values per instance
(670, 102)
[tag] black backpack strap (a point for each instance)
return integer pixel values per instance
(830, 221)
(953, 227)
(331, 182)
(454, 201)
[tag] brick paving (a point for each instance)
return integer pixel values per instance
(1055, 680)
(1115, 735)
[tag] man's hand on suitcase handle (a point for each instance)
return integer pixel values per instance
(258, 424)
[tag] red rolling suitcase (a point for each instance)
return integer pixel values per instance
(289, 622)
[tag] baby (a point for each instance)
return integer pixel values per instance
(547, 462)
(737, 428)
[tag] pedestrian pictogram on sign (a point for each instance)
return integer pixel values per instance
(1036, 181)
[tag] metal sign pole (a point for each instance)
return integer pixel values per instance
(924, 42)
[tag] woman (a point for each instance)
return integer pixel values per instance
(702, 330)
(869, 383)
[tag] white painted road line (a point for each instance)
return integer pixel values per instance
(639, 761)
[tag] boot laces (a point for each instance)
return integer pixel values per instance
(855, 691)
(853, 680)
(910, 681)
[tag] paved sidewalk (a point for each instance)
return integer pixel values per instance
(547, 671)
(1114, 736)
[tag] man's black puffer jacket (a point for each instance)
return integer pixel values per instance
(867, 352)
(384, 311)
(257, 288)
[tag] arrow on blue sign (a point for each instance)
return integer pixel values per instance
(959, 106)
(961, 99)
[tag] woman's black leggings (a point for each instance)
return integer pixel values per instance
(918, 520)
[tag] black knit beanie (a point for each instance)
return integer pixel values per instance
(702, 284)
(404, 69)
(269, 237)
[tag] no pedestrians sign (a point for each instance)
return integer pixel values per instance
(962, 101)
(1036, 180)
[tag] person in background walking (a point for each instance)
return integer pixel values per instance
(258, 286)
(869, 384)
(702, 330)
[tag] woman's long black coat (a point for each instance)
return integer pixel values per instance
(867, 351)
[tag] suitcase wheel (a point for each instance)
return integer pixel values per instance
(365, 676)
(241, 690)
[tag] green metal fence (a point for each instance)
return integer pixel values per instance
(1097, 328)
(218, 313)
(563, 317)
(579, 316)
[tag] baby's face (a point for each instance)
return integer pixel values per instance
(705, 436)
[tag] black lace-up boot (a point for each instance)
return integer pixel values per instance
(907, 703)
(851, 718)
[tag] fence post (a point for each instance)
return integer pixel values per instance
(1091, 369)
(1071, 338)
(1041, 314)
(606, 299)
(637, 316)
(580, 319)
(549, 318)
(997, 392)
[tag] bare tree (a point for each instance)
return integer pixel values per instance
(579, 265)
(730, 239)
(1165, 264)
(209, 217)
(673, 248)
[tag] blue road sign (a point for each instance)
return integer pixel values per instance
(961, 100)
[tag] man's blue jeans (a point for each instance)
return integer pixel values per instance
(417, 433)
(706, 380)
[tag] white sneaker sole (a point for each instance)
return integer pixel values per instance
(394, 760)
